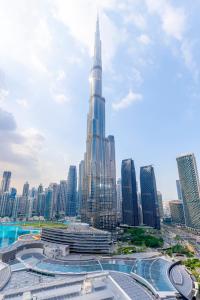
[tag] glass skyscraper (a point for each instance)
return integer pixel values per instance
(99, 182)
(149, 197)
(176, 211)
(62, 198)
(178, 187)
(119, 200)
(130, 209)
(80, 185)
(71, 191)
(5, 184)
(160, 204)
(190, 189)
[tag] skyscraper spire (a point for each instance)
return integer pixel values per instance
(96, 71)
(97, 45)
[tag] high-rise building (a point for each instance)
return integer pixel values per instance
(62, 198)
(25, 189)
(178, 188)
(5, 184)
(149, 197)
(176, 211)
(160, 204)
(55, 192)
(189, 181)
(48, 212)
(81, 172)
(99, 199)
(22, 207)
(10, 204)
(119, 200)
(15, 207)
(4, 200)
(40, 200)
(140, 207)
(130, 210)
(71, 191)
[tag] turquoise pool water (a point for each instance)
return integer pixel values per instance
(10, 233)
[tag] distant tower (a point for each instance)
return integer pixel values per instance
(81, 173)
(5, 184)
(48, 211)
(149, 197)
(55, 195)
(62, 198)
(119, 200)
(130, 209)
(4, 201)
(179, 192)
(40, 201)
(25, 189)
(160, 204)
(71, 191)
(189, 181)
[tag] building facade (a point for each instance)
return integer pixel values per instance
(25, 192)
(178, 188)
(5, 184)
(176, 211)
(189, 181)
(99, 198)
(71, 191)
(81, 172)
(119, 200)
(149, 198)
(80, 237)
(160, 204)
(62, 199)
(130, 209)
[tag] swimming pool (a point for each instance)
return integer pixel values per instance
(10, 233)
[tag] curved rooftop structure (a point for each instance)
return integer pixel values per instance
(149, 278)
(80, 237)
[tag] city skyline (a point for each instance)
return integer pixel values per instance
(29, 129)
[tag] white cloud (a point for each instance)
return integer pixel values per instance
(144, 39)
(127, 101)
(19, 148)
(80, 17)
(61, 75)
(24, 29)
(61, 99)
(173, 18)
(22, 102)
(187, 54)
(174, 22)
(137, 19)
(3, 95)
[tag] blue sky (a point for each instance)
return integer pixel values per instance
(150, 81)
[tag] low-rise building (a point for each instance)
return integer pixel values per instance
(80, 237)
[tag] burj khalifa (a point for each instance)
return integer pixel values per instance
(98, 196)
